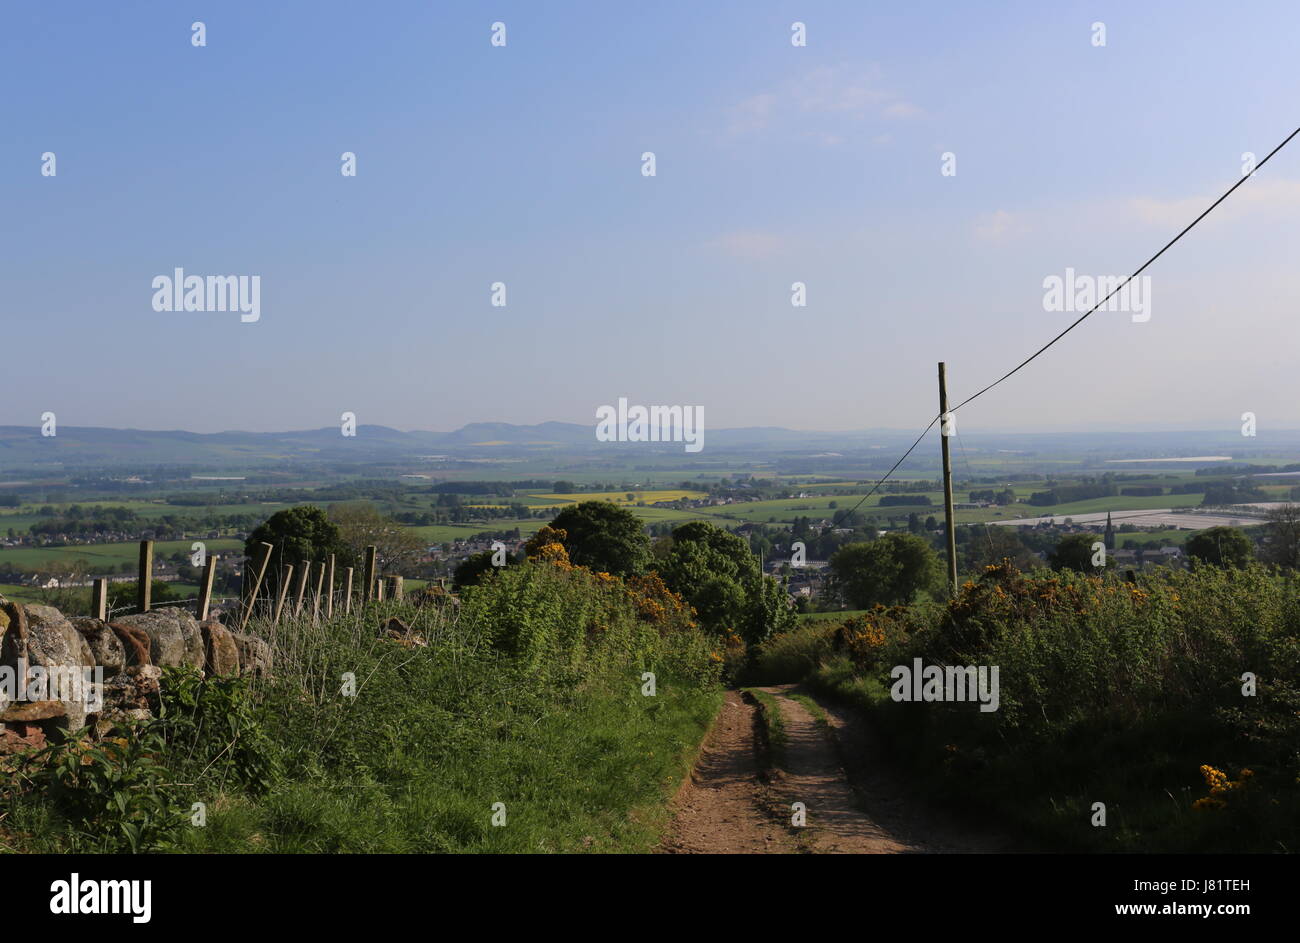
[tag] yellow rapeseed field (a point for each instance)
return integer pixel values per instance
(620, 497)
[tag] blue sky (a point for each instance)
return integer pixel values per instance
(521, 164)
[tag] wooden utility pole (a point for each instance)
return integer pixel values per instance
(259, 570)
(205, 587)
(144, 588)
(944, 432)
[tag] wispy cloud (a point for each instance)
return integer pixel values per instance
(801, 103)
(1254, 197)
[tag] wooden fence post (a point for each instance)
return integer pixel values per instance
(99, 599)
(205, 587)
(286, 580)
(347, 590)
(379, 589)
(144, 588)
(329, 585)
(264, 557)
(315, 603)
(368, 580)
(395, 588)
(301, 591)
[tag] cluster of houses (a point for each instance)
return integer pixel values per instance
(458, 550)
(46, 581)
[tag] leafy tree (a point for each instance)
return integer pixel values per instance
(1283, 544)
(297, 534)
(1221, 546)
(699, 550)
(603, 537)
(715, 571)
(767, 611)
(890, 571)
(1074, 552)
(360, 525)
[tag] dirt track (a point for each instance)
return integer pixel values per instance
(731, 805)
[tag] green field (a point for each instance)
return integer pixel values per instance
(445, 533)
(103, 558)
(30, 596)
(839, 616)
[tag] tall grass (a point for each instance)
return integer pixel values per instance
(522, 705)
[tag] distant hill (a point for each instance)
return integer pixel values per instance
(23, 446)
(81, 446)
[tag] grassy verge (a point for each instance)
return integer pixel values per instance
(592, 772)
(771, 723)
(521, 721)
(812, 707)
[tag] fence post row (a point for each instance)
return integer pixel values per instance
(375, 586)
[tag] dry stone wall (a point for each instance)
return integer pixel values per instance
(130, 650)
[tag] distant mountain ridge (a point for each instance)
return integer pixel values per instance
(25, 446)
(91, 445)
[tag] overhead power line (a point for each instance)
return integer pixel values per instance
(1188, 228)
(885, 478)
(1024, 363)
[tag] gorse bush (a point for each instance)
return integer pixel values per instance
(1108, 690)
(1077, 649)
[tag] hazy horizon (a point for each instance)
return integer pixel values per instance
(1097, 429)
